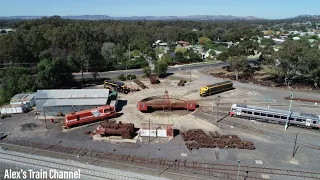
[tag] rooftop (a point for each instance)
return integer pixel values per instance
(156, 126)
(74, 102)
(72, 94)
(23, 97)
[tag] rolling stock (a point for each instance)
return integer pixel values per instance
(275, 115)
(216, 88)
(89, 116)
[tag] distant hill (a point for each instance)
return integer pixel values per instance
(105, 17)
(306, 17)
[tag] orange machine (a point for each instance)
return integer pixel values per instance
(89, 116)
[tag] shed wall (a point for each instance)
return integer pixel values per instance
(55, 110)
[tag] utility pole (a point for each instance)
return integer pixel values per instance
(45, 119)
(289, 112)
(158, 161)
(294, 148)
(190, 74)
(149, 130)
(238, 170)
(217, 109)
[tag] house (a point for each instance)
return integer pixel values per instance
(296, 38)
(278, 41)
(159, 43)
(183, 43)
(197, 48)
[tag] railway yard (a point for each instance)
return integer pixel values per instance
(263, 150)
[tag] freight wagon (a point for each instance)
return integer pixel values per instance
(275, 115)
(89, 116)
(216, 88)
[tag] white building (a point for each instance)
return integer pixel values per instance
(296, 38)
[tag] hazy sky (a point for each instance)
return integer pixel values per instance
(259, 8)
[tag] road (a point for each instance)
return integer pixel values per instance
(171, 69)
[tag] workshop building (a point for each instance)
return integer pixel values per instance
(65, 101)
(24, 98)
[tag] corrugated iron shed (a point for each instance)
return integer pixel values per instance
(74, 102)
(72, 94)
(23, 97)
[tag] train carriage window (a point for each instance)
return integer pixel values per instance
(262, 114)
(244, 112)
(283, 117)
(269, 115)
(249, 112)
(276, 116)
(314, 122)
(299, 120)
(291, 119)
(256, 113)
(303, 120)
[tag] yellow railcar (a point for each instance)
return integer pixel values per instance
(216, 88)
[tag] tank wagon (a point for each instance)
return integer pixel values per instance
(112, 128)
(89, 116)
(275, 115)
(216, 88)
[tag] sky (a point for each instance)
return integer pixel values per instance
(271, 9)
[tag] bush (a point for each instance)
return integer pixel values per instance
(134, 76)
(147, 71)
(122, 77)
(129, 76)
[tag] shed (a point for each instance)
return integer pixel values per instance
(13, 109)
(54, 102)
(24, 98)
(156, 130)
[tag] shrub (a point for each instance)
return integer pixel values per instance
(122, 77)
(134, 76)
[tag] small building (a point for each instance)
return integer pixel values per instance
(156, 130)
(65, 101)
(13, 109)
(183, 43)
(24, 98)
(296, 38)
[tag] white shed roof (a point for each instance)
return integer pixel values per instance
(72, 94)
(23, 97)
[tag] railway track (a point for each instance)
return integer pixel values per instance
(222, 171)
(205, 115)
(49, 163)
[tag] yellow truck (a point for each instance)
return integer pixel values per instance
(216, 88)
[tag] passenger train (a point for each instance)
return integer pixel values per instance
(275, 115)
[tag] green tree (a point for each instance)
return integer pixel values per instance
(15, 80)
(265, 41)
(147, 71)
(239, 64)
(53, 74)
(180, 49)
(167, 58)
(224, 56)
(204, 40)
(161, 68)
(289, 59)
(179, 57)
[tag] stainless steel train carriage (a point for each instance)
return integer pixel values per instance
(275, 115)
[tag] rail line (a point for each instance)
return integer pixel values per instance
(218, 170)
(207, 116)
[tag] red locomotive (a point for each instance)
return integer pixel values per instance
(89, 116)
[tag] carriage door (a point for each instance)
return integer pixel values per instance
(238, 112)
(308, 122)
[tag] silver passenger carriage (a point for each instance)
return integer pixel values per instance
(275, 115)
